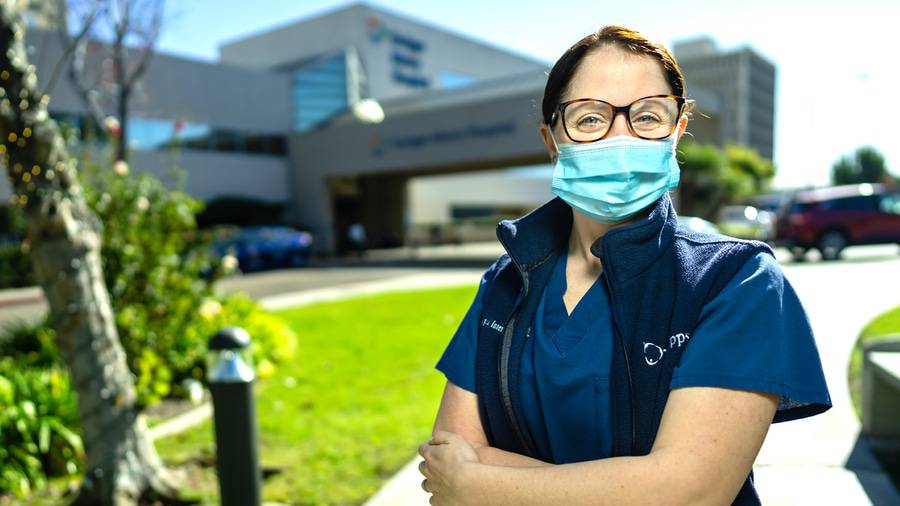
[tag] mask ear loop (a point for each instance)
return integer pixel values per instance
(553, 158)
(672, 175)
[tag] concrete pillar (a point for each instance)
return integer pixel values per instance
(310, 207)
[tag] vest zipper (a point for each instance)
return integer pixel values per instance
(612, 296)
(505, 395)
(503, 365)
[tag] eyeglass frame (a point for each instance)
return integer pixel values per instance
(625, 109)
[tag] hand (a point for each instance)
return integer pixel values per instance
(447, 458)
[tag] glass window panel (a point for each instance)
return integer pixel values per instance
(320, 91)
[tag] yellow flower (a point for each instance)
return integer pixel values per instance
(209, 309)
(265, 369)
(121, 167)
(229, 263)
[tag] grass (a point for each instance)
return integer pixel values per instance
(884, 325)
(353, 407)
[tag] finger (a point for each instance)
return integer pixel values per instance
(425, 485)
(423, 450)
(423, 469)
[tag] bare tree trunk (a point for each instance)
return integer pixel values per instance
(122, 465)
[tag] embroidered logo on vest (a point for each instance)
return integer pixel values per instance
(653, 354)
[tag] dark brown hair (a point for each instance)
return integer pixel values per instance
(618, 36)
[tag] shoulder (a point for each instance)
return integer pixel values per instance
(687, 237)
(718, 258)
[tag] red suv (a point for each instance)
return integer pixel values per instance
(830, 219)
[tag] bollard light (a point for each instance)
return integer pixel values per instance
(230, 374)
(229, 359)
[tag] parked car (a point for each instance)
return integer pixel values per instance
(830, 219)
(264, 247)
(746, 222)
(698, 224)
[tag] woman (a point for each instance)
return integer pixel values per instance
(612, 356)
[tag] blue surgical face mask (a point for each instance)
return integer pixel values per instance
(613, 179)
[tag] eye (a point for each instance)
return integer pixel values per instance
(646, 118)
(591, 122)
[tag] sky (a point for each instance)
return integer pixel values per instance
(837, 65)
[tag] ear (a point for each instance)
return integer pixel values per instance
(682, 126)
(549, 143)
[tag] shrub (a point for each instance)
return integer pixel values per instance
(884, 325)
(30, 344)
(160, 271)
(38, 409)
(38, 427)
(15, 266)
(158, 268)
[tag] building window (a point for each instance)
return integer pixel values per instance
(410, 80)
(453, 80)
(405, 60)
(155, 134)
(320, 91)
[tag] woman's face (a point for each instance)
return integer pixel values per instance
(615, 76)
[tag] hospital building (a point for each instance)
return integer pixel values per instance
(270, 121)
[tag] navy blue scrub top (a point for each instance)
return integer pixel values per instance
(754, 335)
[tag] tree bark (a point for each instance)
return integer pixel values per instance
(64, 234)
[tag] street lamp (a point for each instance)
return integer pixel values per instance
(368, 110)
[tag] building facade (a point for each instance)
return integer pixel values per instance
(744, 83)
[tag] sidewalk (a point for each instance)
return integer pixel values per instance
(17, 296)
(779, 484)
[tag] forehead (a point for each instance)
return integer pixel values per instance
(617, 76)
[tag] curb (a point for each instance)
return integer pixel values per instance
(399, 490)
(343, 292)
(182, 422)
(21, 296)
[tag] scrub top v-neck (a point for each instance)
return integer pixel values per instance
(565, 373)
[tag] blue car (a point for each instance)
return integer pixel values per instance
(265, 247)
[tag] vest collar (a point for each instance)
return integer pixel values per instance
(533, 238)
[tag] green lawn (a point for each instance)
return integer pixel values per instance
(884, 325)
(353, 407)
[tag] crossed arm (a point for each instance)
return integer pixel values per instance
(706, 444)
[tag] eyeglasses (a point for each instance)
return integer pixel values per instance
(589, 119)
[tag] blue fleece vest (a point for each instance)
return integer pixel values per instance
(659, 274)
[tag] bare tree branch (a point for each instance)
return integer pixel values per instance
(150, 41)
(126, 20)
(77, 49)
(69, 45)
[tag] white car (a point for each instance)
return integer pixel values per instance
(698, 224)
